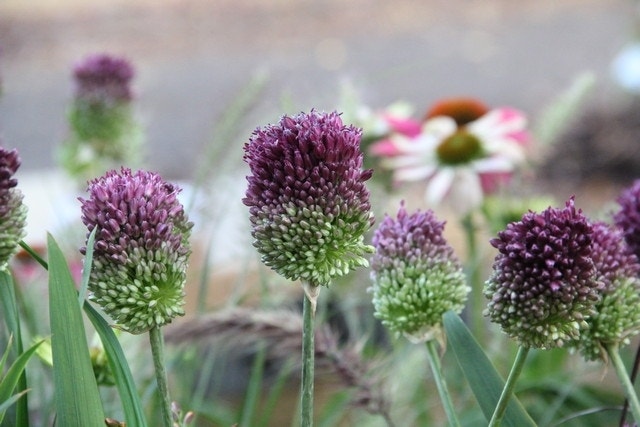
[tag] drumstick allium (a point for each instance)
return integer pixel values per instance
(141, 248)
(544, 282)
(308, 203)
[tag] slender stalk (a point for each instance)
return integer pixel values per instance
(475, 280)
(509, 386)
(634, 374)
(157, 349)
(441, 384)
(308, 353)
(625, 381)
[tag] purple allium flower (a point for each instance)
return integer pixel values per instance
(103, 78)
(416, 275)
(141, 248)
(13, 213)
(308, 203)
(628, 217)
(544, 281)
(103, 131)
(617, 316)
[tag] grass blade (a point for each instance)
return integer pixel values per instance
(86, 267)
(253, 390)
(77, 398)
(484, 380)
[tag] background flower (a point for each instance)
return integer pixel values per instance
(416, 275)
(463, 151)
(544, 282)
(141, 248)
(308, 203)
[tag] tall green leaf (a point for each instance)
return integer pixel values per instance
(76, 393)
(131, 405)
(484, 380)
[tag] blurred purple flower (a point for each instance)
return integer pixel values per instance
(103, 78)
(628, 217)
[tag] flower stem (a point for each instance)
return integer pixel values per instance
(308, 352)
(507, 391)
(475, 281)
(627, 386)
(157, 349)
(445, 397)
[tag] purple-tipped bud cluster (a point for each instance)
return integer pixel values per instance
(617, 315)
(544, 285)
(141, 248)
(103, 78)
(628, 216)
(13, 213)
(103, 131)
(308, 203)
(416, 275)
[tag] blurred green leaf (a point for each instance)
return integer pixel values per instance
(10, 380)
(76, 393)
(484, 380)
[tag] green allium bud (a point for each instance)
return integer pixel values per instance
(309, 207)
(617, 316)
(416, 275)
(13, 213)
(141, 248)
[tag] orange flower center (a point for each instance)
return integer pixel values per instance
(461, 147)
(462, 110)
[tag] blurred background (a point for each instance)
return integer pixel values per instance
(194, 57)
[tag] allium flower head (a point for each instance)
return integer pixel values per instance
(308, 204)
(141, 248)
(628, 216)
(544, 284)
(103, 78)
(617, 316)
(416, 275)
(463, 151)
(13, 213)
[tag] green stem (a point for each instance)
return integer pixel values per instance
(627, 386)
(509, 386)
(441, 384)
(308, 353)
(474, 279)
(157, 349)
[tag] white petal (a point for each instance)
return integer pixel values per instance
(414, 173)
(493, 164)
(439, 185)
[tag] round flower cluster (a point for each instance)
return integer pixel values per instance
(308, 203)
(416, 275)
(544, 283)
(141, 248)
